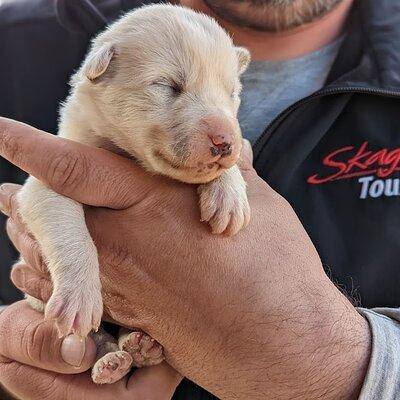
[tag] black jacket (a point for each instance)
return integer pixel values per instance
(334, 156)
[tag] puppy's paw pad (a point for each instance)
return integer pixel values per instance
(111, 367)
(145, 351)
(76, 312)
(226, 209)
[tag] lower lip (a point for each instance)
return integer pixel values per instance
(205, 171)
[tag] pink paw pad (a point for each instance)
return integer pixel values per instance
(145, 351)
(111, 367)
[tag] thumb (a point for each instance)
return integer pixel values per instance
(35, 342)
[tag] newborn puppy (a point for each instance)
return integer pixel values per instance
(161, 85)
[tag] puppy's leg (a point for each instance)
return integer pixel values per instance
(112, 364)
(224, 204)
(58, 224)
(144, 350)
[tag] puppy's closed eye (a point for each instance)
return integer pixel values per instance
(173, 87)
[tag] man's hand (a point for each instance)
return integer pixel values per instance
(35, 364)
(253, 316)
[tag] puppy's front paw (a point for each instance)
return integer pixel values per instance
(224, 204)
(145, 350)
(75, 310)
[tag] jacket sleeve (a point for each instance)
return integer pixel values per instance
(383, 376)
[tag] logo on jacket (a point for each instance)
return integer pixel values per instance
(372, 168)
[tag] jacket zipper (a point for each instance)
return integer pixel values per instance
(271, 128)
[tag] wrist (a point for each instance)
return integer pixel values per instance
(345, 346)
(317, 347)
(334, 348)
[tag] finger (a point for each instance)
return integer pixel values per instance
(26, 382)
(246, 156)
(159, 381)
(35, 342)
(247, 152)
(29, 281)
(8, 199)
(26, 246)
(89, 175)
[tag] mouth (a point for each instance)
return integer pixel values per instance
(200, 170)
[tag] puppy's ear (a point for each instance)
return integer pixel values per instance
(244, 59)
(97, 61)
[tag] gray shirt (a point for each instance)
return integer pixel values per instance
(268, 89)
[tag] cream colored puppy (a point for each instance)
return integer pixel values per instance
(161, 85)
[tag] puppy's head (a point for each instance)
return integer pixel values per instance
(166, 79)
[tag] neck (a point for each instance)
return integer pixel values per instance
(288, 44)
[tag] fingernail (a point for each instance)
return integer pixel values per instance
(73, 350)
(18, 277)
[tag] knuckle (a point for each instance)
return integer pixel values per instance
(67, 170)
(37, 341)
(10, 144)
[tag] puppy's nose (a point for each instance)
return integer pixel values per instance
(221, 145)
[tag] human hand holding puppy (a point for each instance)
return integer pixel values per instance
(35, 364)
(253, 316)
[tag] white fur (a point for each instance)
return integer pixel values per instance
(123, 99)
(58, 223)
(224, 204)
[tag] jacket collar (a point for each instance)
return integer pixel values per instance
(370, 54)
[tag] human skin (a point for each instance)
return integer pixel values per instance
(253, 316)
(36, 364)
(286, 44)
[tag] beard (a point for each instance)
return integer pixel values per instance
(271, 15)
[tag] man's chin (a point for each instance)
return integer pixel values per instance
(270, 16)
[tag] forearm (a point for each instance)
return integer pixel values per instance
(325, 354)
(314, 345)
